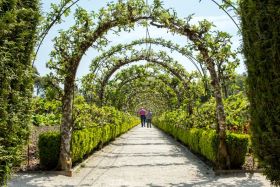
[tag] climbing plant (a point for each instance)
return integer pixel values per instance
(18, 22)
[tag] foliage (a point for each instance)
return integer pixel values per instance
(45, 111)
(261, 39)
(90, 30)
(49, 146)
(18, 22)
(160, 58)
(237, 111)
(88, 136)
(203, 115)
(205, 141)
(47, 86)
(158, 80)
(237, 146)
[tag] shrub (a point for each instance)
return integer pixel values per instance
(84, 141)
(208, 144)
(49, 146)
(205, 142)
(194, 136)
(237, 147)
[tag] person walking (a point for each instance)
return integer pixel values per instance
(142, 113)
(149, 119)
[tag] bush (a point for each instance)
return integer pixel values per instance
(46, 112)
(49, 147)
(237, 147)
(208, 144)
(205, 142)
(84, 141)
(194, 136)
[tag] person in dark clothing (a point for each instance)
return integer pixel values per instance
(149, 119)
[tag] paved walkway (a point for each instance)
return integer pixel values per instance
(141, 157)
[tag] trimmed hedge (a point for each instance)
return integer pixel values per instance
(19, 20)
(205, 142)
(49, 146)
(237, 147)
(84, 141)
(261, 47)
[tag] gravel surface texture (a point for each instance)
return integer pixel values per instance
(141, 157)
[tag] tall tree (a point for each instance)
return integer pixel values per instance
(18, 22)
(260, 30)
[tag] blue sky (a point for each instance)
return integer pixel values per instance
(205, 9)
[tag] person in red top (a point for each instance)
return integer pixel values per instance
(142, 113)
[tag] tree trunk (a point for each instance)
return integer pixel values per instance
(65, 161)
(223, 160)
(225, 90)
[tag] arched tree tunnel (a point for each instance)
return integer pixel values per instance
(121, 48)
(189, 77)
(72, 44)
(157, 58)
(136, 87)
(124, 78)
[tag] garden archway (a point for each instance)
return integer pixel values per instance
(72, 45)
(158, 58)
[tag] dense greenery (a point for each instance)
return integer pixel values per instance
(261, 41)
(45, 111)
(205, 141)
(204, 108)
(49, 149)
(212, 48)
(89, 134)
(203, 115)
(18, 22)
(158, 77)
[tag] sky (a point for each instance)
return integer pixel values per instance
(205, 9)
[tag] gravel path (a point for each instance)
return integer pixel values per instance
(141, 157)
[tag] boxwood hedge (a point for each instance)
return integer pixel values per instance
(205, 142)
(84, 141)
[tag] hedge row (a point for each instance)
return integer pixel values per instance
(205, 142)
(84, 141)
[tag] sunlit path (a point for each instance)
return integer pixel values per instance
(142, 157)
